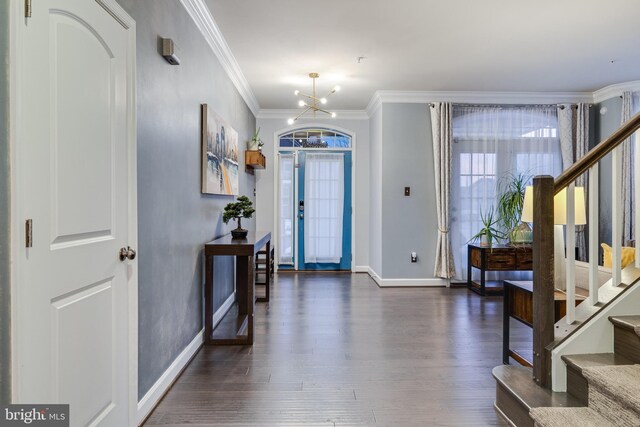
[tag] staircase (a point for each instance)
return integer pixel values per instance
(608, 384)
(586, 367)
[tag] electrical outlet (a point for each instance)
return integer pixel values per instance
(414, 257)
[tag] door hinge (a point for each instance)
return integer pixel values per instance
(28, 233)
(27, 8)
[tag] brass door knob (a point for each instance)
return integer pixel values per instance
(127, 253)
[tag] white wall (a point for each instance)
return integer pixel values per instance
(265, 184)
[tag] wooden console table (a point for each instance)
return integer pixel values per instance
(518, 303)
(236, 328)
(496, 258)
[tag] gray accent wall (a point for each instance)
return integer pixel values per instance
(375, 198)
(174, 218)
(408, 223)
(605, 125)
(5, 296)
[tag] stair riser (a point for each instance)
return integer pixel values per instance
(626, 343)
(512, 408)
(619, 415)
(577, 385)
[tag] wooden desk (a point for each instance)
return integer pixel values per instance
(518, 303)
(496, 258)
(233, 329)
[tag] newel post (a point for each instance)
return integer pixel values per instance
(543, 278)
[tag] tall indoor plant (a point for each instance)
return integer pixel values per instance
(511, 190)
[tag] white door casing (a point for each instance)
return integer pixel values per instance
(74, 305)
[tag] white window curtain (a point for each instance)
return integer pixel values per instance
(630, 106)
(489, 143)
(442, 136)
(286, 208)
(324, 206)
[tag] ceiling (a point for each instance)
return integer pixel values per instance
(427, 45)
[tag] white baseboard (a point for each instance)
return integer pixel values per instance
(219, 314)
(361, 269)
(155, 393)
(401, 283)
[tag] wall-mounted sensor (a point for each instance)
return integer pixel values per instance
(414, 257)
(169, 52)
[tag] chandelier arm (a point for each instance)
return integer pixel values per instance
(308, 96)
(299, 115)
(331, 92)
(320, 109)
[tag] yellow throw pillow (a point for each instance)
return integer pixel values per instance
(628, 255)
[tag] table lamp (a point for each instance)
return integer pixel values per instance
(559, 219)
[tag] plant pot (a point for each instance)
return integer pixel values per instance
(239, 233)
(484, 241)
(253, 145)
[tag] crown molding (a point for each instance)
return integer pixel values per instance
(287, 113)
(615, 90)
(374, 104)
(203, 19)
(479, 97)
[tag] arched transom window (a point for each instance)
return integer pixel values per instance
(315, 138)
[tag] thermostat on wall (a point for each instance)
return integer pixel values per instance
(169, 50)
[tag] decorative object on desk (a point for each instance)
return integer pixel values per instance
(489, 232)
(243, 208)
(219, 155)
(510, 203)
(255, 143)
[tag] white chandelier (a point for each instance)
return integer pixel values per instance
(312, 102)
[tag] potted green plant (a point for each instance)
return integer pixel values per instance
(242, 208)
(489, 231)
(510, 202)
(256, 143)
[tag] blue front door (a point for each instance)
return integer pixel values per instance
(345, 259)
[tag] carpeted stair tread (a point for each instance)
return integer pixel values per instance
(568, 417)
(622, 383)
(581, 361)
(627, 322)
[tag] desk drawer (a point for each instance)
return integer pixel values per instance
(501, 261)
(524, 260)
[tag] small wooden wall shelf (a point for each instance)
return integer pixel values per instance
(254, 159)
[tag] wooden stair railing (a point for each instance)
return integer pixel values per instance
(544, 189)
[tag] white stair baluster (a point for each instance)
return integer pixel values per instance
(594, 232)
(636, 177)
(571, 253)
(616, 216)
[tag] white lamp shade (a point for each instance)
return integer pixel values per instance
(559, 206)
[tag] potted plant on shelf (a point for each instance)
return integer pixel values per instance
(489, 231)
(242, 208)
(256, 143)
(510, 203)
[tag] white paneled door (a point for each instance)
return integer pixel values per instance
(75, 180)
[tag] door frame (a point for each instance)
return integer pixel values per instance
(16, 121)
(276, 186)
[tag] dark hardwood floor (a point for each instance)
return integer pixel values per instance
(336, 350)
